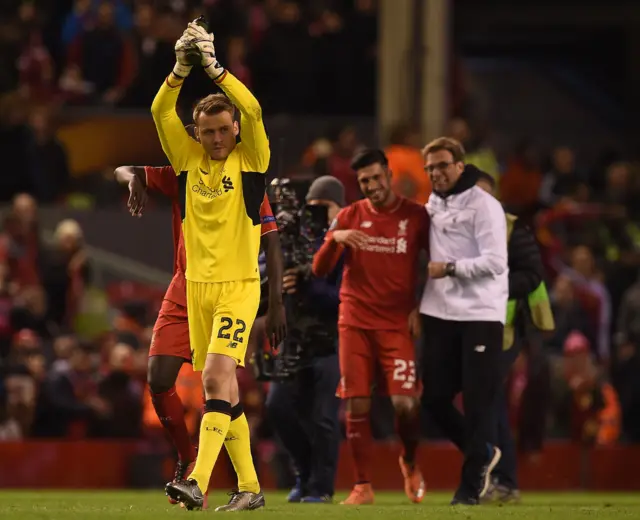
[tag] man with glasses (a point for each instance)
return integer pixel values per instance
(463, 310)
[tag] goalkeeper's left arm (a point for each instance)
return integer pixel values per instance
(254, 141)
(176, 143)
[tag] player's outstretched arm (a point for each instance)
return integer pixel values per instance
(255, 144)
(176, 143)
(134, 177)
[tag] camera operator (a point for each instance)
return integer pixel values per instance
(304, 409)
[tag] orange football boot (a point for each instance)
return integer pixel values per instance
(414, 484)
(361, 494)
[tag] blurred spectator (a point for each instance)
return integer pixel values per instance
(26, 351)
(68, 402)
(331, 50)
(153, 50)
(562, 179)
(37, 79)
(63, 348)
(339, 163)
(284, 50)
(520, 184)
(103, 56)
(30, 311)
(19, 404)
(83, 15)
(316, 157)
(569, 314)
(16, 148)
(20, 247)
(51, 156)
(67, 274)
(585, 276)
(407, 165)
(122, 395)
(587, 406)
(619, 192)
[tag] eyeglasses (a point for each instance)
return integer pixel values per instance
(438, 166)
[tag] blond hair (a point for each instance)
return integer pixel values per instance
(213, 104)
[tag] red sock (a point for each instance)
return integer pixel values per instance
(171, 414)
(360, 441)
(408, 428)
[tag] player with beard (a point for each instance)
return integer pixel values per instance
(381, 237)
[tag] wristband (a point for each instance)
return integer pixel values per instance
(214, 70)
(181, 71)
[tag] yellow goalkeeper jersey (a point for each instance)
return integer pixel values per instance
(220, 199)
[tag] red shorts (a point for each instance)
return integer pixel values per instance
(367, 357)
(171, 332)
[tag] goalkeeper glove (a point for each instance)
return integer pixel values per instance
(183, 48)
(203, 40)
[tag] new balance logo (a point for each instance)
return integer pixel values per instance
(231, 438)
(227, 184)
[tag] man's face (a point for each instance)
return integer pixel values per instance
(332, 208)
(217, 134)
(443, 170)
(375, 183)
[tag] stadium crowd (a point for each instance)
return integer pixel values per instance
(64, 375)
(116, 52)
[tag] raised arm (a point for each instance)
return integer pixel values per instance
(176, 143)
(254, 140)
(255, 144)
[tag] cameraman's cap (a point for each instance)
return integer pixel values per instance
(326, 187)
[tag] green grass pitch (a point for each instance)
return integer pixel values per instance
(131, 505)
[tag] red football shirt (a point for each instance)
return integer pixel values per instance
(379, 282)
(164, 180)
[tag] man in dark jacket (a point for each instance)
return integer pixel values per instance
(525, 278)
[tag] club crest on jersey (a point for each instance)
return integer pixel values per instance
(227, 184)
(402, 227)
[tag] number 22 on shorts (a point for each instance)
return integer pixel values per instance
(404, 371)
(227, 324)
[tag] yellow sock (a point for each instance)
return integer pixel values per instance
(238, 444)
(213, 430)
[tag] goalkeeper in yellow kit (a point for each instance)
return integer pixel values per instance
(222, 184)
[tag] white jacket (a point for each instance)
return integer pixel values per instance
(468, 227)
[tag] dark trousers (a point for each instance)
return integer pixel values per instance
(464, 357)
(304, 414)
(506, 470)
